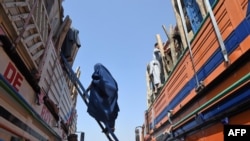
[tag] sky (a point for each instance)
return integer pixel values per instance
(121, 35)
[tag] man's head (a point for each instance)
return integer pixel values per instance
(156, 45)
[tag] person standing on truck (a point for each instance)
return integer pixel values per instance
(155, 74)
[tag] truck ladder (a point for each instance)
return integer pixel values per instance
(84, 95)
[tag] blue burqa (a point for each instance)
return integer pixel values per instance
(103, 96)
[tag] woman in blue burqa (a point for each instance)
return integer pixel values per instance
(103, 97)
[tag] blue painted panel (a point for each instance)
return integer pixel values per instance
(231, 42)
(230, 103)
(210, 65)
(194, 14)
(239, 98)
(243, 30)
